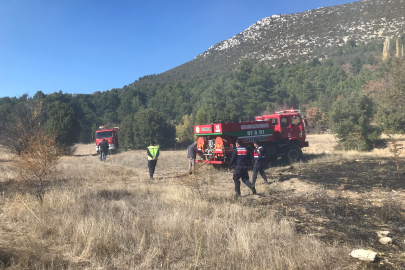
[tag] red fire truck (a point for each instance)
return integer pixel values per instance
(110, 135)
(282, 134)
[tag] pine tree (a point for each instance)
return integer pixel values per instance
(150, 125)
(62, 124)
(350, 119)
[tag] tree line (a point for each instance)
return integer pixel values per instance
(352, 92)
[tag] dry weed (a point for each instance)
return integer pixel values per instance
(146, 228)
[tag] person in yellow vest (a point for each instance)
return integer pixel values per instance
(153, 154)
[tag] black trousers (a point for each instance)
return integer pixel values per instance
(241, 171)
(152, 166)
(258, 168)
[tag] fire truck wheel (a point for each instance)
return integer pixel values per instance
(294, 153)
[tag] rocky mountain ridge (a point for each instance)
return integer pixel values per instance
(293, 35)
(298, 37)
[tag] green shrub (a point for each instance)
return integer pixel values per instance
(151, 124)
(350, 120)
(391, 101)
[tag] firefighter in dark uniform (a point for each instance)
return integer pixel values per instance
(153, 154)
(241, 158)
(103, 145)
(259, 156)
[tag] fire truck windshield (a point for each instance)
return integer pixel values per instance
(103, 134)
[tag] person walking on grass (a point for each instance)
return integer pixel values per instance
(241, 158)
(259, 156)
(104, 149)
(153, 154)
(191, 155)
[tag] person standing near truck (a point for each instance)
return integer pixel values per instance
(104, 149)
(259, 156)
(153, 154)
(241, 157)
(191, 155)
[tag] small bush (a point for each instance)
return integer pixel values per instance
(38, 162)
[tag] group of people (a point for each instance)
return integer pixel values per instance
(242, 160)
(240, 157)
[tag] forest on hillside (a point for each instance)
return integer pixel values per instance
(351, 92)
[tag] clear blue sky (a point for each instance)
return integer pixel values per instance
(86, 46)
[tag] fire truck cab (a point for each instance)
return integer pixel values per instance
(289, 134)
(288, 125)
(110, 135)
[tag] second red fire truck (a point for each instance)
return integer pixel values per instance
(110, 135)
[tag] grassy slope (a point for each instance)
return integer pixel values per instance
(109, 216)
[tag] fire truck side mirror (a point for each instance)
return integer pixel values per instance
(305, 123)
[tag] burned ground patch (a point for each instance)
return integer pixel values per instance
(352, 200)
(344, 221)
(360, 175)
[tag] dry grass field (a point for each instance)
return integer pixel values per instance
(111, 216)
